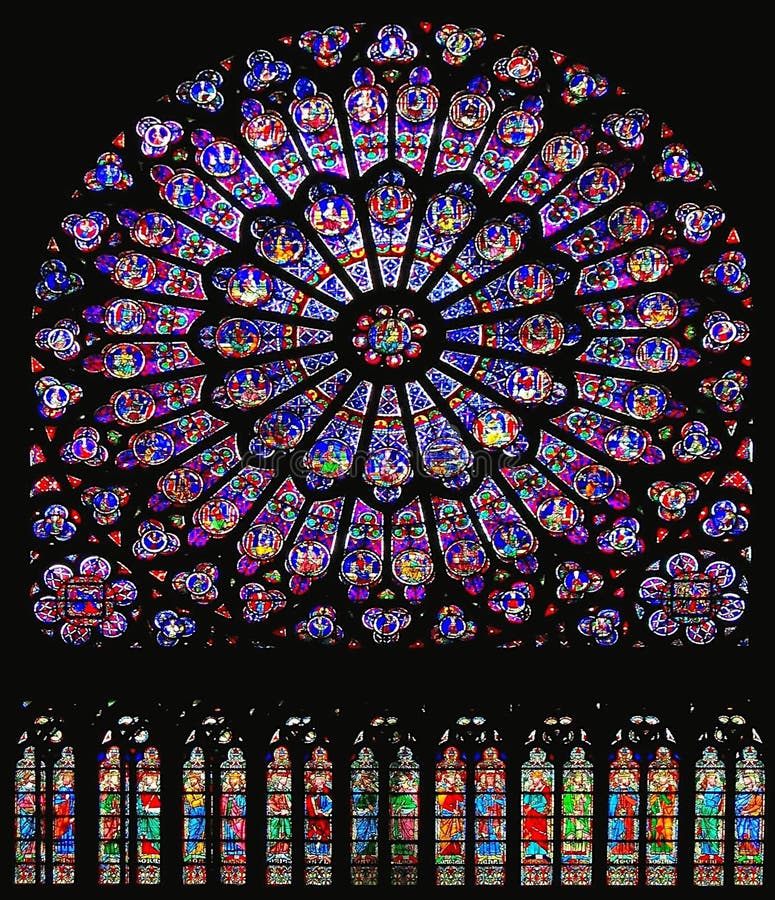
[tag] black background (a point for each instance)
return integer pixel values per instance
(81, 74)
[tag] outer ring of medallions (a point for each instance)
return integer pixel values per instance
(345, 330)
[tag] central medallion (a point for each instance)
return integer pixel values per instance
(389, 336)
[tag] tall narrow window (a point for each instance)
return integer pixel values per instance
(490, 818)
(384, 805)
(709, 814)
(148, 806)
(643, 806)
(537, 818)
(577, 819)
(662, 819)
(623, 818)
(278, 817)
(233, 804)
(195, 809)
(29, 804)
(318, 807)
(404, 812)
(44, 806)
(36, 796)
(214, 796)
(470, 805)
(112, 816)
(364, 784)
(450, 817)
(749, 818)
(129, 814)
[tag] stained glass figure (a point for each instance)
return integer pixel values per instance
(662, 819)
(643, 785)
(148, 817)
(364, 809)
(279, 801)
(623, 818)
(114, 787)
(577, 817)
(44, 806)
(233, 818)
(490, 818)
(450, 817)
(749, 818)
(479, 266)
(129, 811)
(404, 812)
(318, 812)
(537, 819)
(196, 806)
(710, 813)
(214, 805)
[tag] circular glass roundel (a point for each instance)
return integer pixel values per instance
(433, 329)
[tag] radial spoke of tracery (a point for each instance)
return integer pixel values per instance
(393, 334)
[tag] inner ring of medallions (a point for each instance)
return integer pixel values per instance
(389, 335)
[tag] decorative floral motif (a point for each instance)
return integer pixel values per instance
(56, 281)
(725, 520)
(398, 355)
(108, 174)
(171, 627)
(673, 499)
(199, 584)
(728, 272)
(575, 582)
(157, 136)
(326, 46)
(86, 601)
(601, 627)
(676, 165)
(55, 524)
(691, 600)
(203, 91)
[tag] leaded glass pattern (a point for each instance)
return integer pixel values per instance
(749, 818)
(537, 818)
(129, 813)
(662, 818)
(233, 805)
(214, 802)
(406, 346)
(318, 813)
(623, 818)
(710, 814)
(490, 818)
(404, 782)
(364, 806)
(450, 826)
(279, 800)
(577, 818)
(44, 806)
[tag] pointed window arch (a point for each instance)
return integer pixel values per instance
(557, 805)
(749, 817)
(384, 805)
(470, 807)
(365, 812)
(710, 787)
(404, 787)
(279, 800)
(451, 774)
(643, 782)
(299, 805)
(44, 805)
(129, 805)
(214, 793)
(318, 811)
